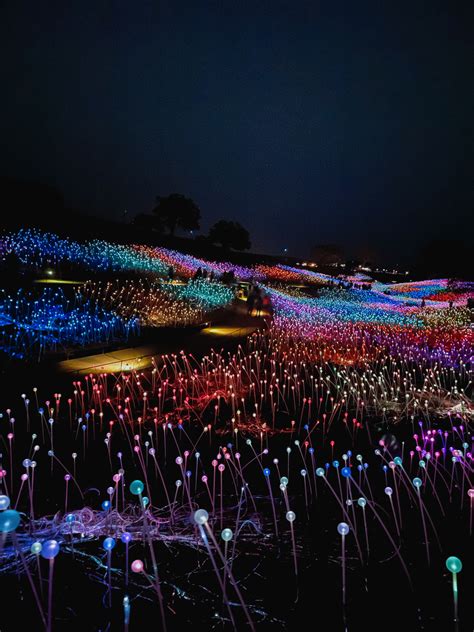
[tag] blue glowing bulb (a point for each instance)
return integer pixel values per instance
(50, 549)
(108, 544)
(343, 528)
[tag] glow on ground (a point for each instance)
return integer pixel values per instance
(137, 358)
(233, 332)
(59, 282)
(131, 359)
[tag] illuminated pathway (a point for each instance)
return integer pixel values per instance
(232, 327)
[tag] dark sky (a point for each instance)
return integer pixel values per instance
(309, 122)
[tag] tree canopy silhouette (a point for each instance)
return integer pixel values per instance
(230, 235)
(148, 222)
(177, 211)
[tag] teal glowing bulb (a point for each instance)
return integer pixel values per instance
(454, 564)
(9, 520)
(226, 535)
(417, 482)
(136, 487)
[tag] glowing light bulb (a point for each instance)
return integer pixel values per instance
(201, 516)
(343, 528)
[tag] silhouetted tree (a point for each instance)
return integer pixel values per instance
(148, 222)
(177, 211)
(230, 235)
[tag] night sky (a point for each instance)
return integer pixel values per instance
(309, 122)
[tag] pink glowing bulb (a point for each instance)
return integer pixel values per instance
(137, 566)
